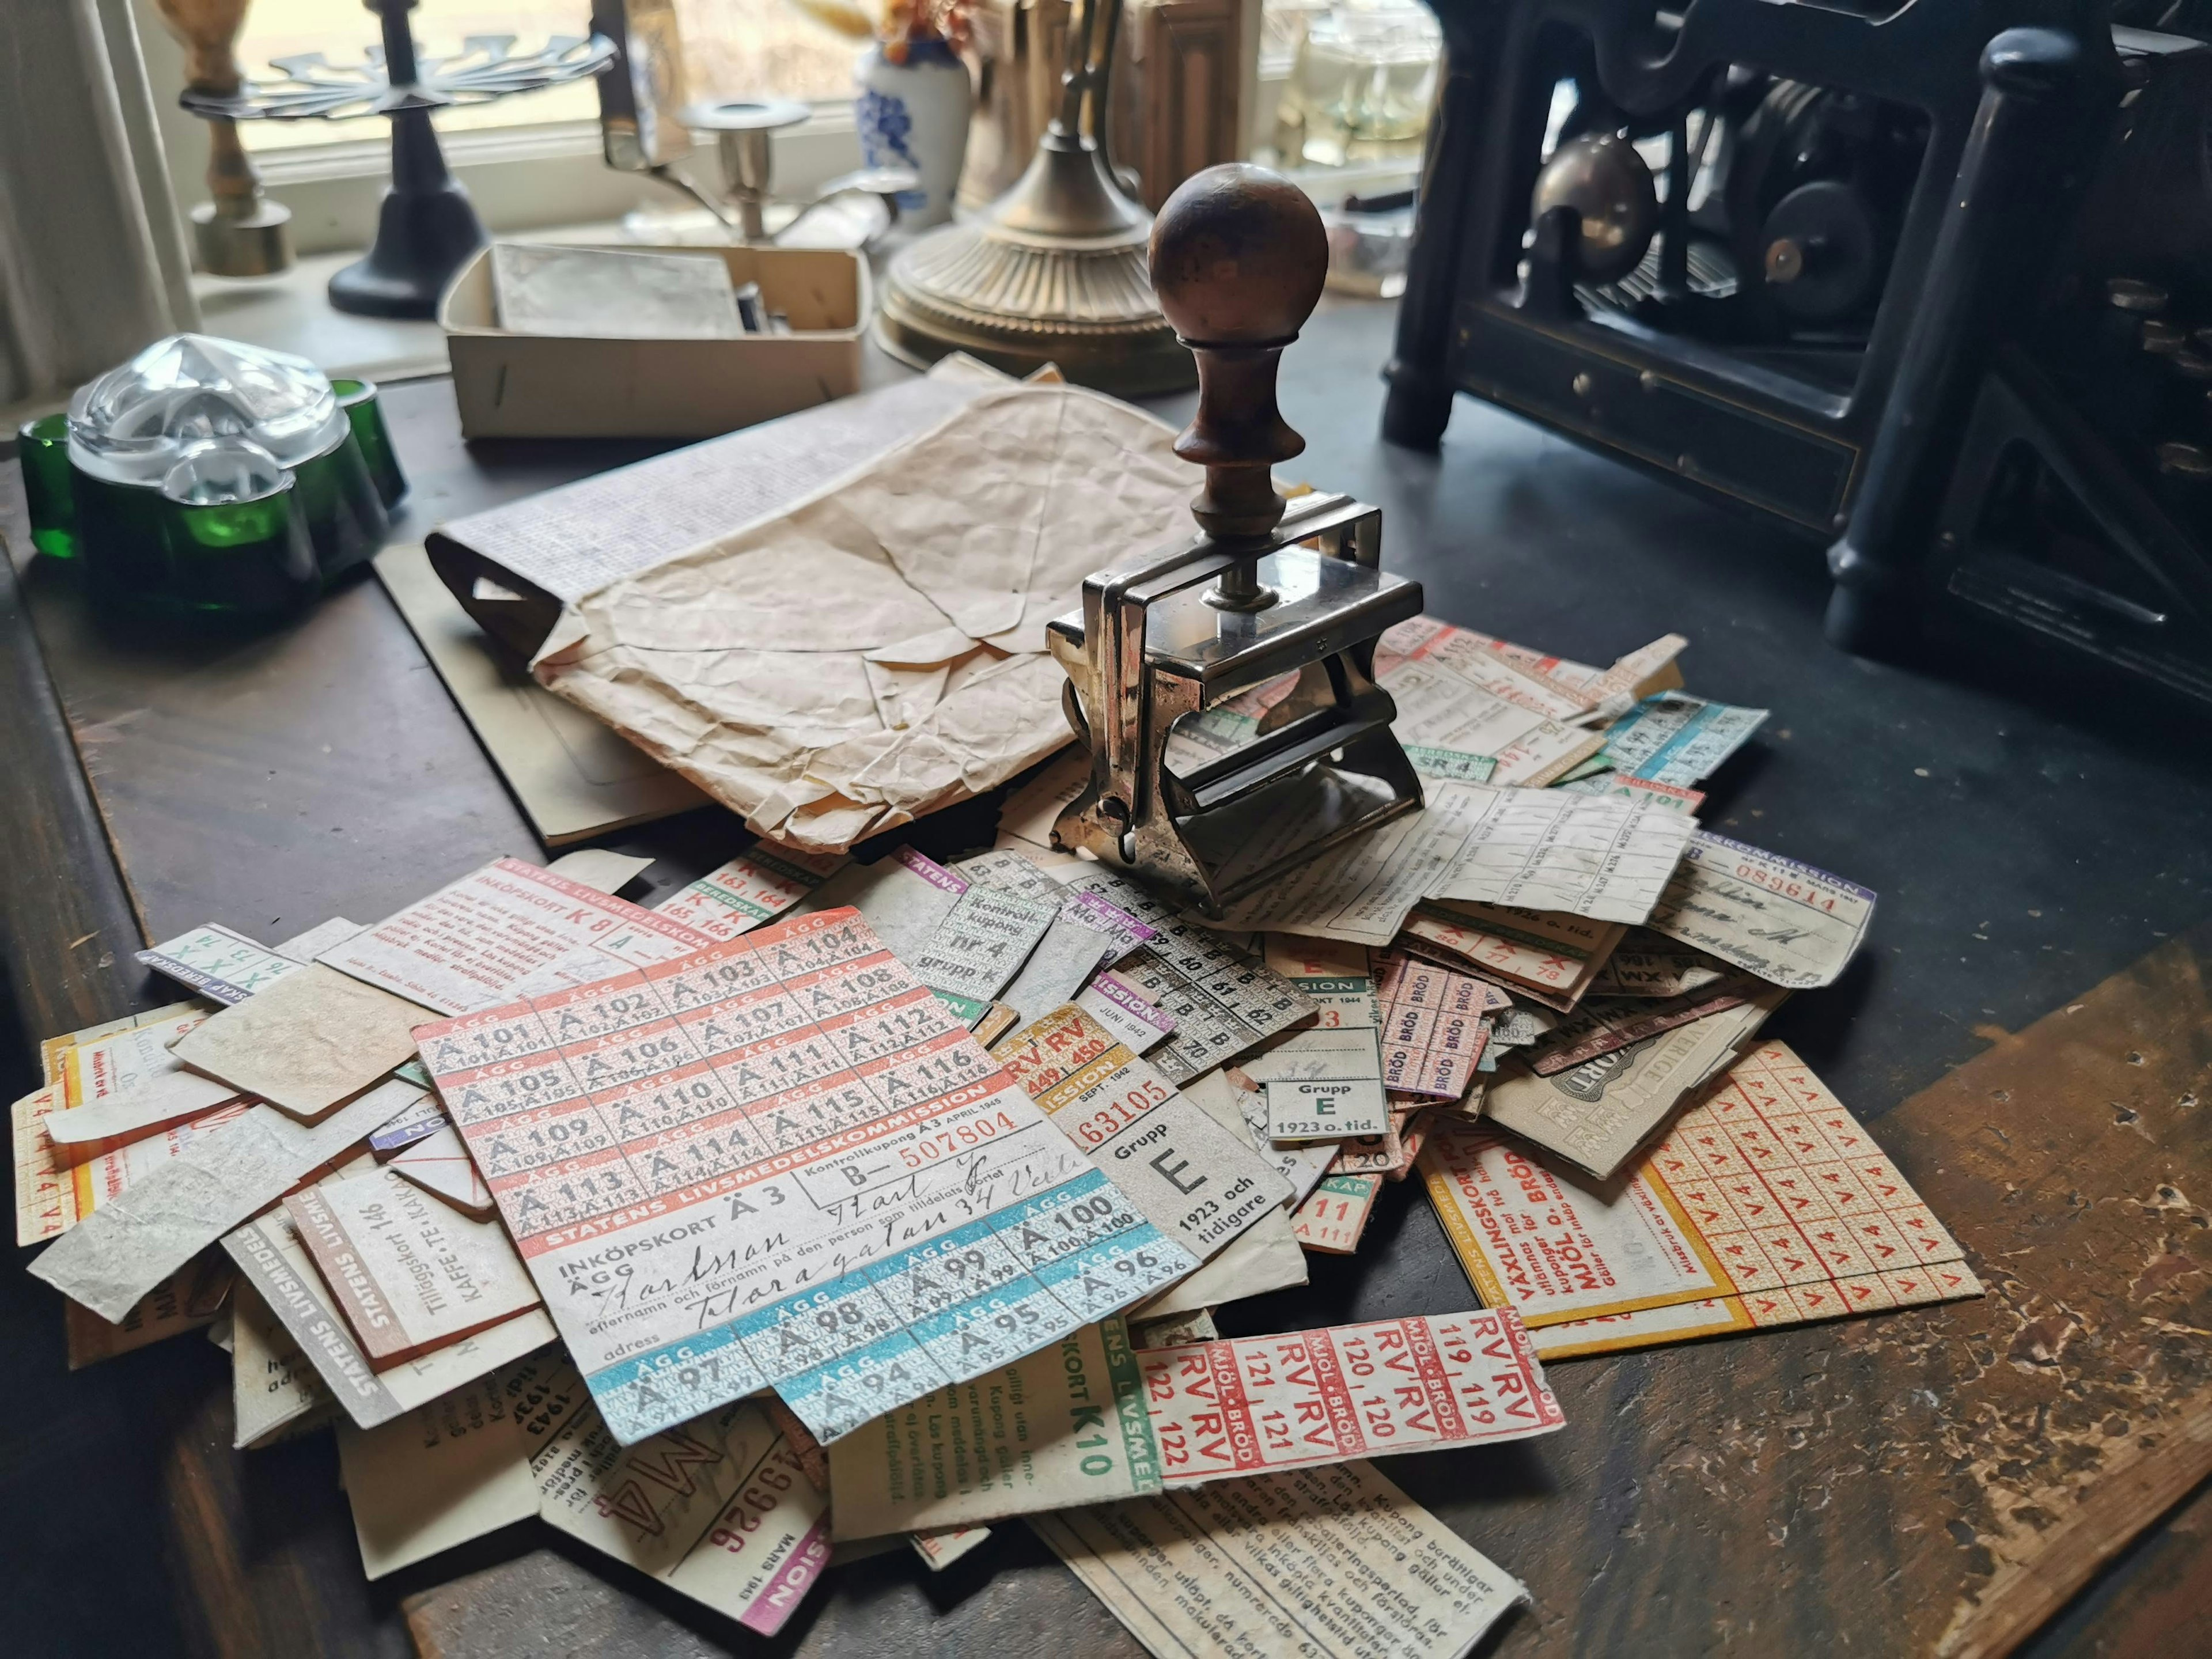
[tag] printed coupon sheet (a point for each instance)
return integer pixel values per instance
(407, 1272)
(1336, 1214)
(1324, 1082)
(1766, 1204)
(780, 1163)
(1787, 923)
(1223, 1002)
(1677, 739)
(1360, 893)
(1551, 849)
(1193, 1180)
(1092, 1419)
(1434, 1024)
(1331, 1563)
(507, 929)
(757, 885)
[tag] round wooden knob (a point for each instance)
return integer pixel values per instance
(1239, 256)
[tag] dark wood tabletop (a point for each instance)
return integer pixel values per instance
(2027, 1030)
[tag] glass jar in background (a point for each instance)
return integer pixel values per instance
(1361, 86)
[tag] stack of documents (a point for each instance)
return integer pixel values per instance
(902, 1200)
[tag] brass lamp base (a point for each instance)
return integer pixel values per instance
(1055, 270)
(1089, 310)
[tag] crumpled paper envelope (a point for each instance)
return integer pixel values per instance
(877, 651)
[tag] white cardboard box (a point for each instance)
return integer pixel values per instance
(531, 385)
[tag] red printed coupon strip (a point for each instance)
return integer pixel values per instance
(1550, 957)
(1768, 1199)
(1091, 1420)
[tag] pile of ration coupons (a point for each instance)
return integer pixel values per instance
(826, 1202)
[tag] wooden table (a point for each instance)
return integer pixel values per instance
(1865, 1486)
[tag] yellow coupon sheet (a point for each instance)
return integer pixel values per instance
(1767, 1203)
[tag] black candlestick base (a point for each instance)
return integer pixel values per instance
(425, 231)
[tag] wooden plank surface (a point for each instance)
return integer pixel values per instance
(1780, 1492)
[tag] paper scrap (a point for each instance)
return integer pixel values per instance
(1597, 1114)
(408, 1273)
(272, 1385)
(274, 1262)
(1551, 958)
(186, 1300)
(1230, 1097)
(1603, 1024)
(1452, 765)
(1175, 1330)
(439, 1164)
(1767, 1199)
(779, 1162)
(717, 1509)
(942, 1548)
(1091, 1419)
(304, 947)
(1650, 965)
(455, 1468)
(1678, 739)
(757, 885)
(418, 1123)
(168, 1215)
(982, 943)
(1116, 1004)
(1222, 1001)
(1547, 849)
(220, 965)
(508, 929)
(101, 1126)
(1071, 952)
(1336, 1214)
(306, 1042)
(1785, 922)
(1331, 1562)
(904, 898)
(1195, 1181)
(600, 869)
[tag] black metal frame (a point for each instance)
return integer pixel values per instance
(2021, 98)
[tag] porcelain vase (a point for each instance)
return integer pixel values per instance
(915, 114)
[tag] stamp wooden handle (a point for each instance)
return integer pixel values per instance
(1238, 255)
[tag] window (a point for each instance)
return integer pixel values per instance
(732, 48)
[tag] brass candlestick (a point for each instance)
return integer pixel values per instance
(1053, 270)
(240, 232)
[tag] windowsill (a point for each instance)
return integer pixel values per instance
(292, 312)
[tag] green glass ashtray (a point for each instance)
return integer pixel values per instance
(208, 477)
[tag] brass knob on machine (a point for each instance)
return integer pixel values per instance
(1239, 256)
